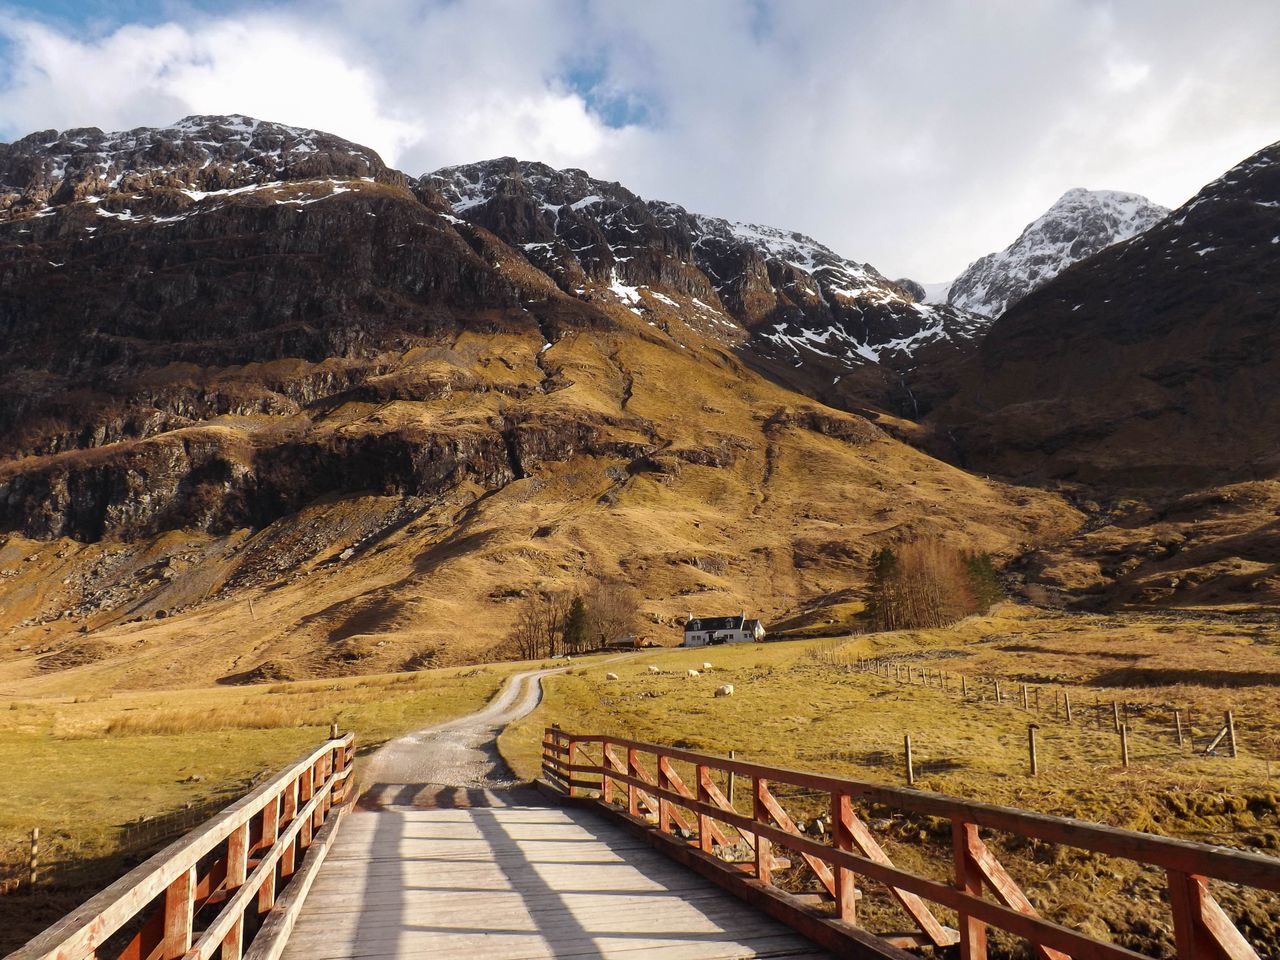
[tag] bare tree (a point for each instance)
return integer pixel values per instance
(613, 610)
(922, 584)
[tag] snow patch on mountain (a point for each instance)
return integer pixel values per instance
(1080, 224)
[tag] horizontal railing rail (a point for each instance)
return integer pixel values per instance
(1201, 928)
(210, 891)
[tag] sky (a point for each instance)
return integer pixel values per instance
(916, 135)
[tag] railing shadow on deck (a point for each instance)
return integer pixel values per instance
(230, 888)
(640, 785)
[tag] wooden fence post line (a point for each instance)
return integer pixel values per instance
(1031, 747)
(1066, 699)
(1231, 733)
(704, 796)
(633, 792)
(34, 862)
(1124, 743)
(1026, 705)
(1115, 714)
(1177, 725)
(911, 774)
(964, 687)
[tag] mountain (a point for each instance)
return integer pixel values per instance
(1078, 225)
(1147, 379)
(836, 328)
(269, 408)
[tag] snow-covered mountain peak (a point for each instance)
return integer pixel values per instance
(1078, 225)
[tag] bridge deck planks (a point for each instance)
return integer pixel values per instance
(517, 882)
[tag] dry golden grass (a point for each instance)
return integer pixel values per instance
(787, 518)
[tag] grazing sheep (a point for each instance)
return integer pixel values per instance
(706, 666)
(725, 691)
(653, 669)
(691, 673)
(611, 676)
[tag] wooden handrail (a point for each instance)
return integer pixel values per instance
(1201, 927)
(282, 814)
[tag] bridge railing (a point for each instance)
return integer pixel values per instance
(697, 823)
(231, 885)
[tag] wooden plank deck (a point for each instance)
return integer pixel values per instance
(518, 881)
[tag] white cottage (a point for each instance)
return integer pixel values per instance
(709, 631)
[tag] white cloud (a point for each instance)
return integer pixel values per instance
(914, 135)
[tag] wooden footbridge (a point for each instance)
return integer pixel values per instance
(629, 850)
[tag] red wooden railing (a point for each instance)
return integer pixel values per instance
(616, 774)
(233, 884)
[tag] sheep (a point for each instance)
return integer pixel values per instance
(611, 676)
(653, 669)
(691, 673)
(725, 691)
(706, 666)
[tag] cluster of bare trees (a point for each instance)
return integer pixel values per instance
(929, 584)
(548, 624)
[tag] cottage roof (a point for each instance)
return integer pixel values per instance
(715, 623)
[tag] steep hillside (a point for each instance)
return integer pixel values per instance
(835, 328)
(269, 415)
(1147, 380)
(1078, 225)
(1153, 363)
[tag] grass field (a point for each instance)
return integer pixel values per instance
(806, 705)
(91, 772)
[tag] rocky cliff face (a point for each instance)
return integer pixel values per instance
(1078, 225)
(787, 303)
(1154, 363)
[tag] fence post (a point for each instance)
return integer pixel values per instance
(964, 687)
(237, 868)
(1231, 733)
(633, 792)
(1026, 704)
(1124, 743)
(704, 796)
(999, 695)
(34, 862)
(1066, 699)
(1115, 714)
(1177, 725)
(911, 774)
(1031, 747)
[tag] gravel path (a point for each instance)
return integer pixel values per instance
(461, 754)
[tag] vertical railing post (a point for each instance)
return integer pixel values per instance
(237, 869)
(760, 813)
(179, 915)
(270, 833)
(306, 784)
(289, 813)
(664, 805)
(340, 764)
(633, 791)
(704, 796)
(842, 839)
(606, 765)
(1186, 900)
(973, 932)
(573, 760)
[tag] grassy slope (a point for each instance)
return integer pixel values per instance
(788, 515)
(802, 705)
